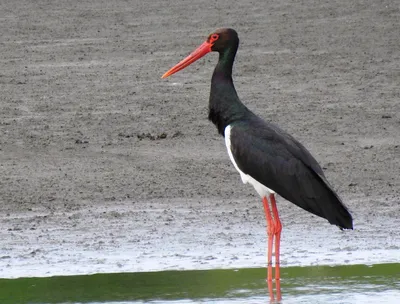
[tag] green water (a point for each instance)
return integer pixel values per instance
(340, 284)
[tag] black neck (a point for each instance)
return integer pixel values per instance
(225, 106)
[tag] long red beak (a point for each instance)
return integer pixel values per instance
(203, 49)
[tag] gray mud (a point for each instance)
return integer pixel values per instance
(106, 168)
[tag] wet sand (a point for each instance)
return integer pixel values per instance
(107, 168)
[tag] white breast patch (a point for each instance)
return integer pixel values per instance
(260, 188)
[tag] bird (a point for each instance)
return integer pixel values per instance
(266, 157)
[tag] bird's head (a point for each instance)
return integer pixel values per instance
(222, 39)
(218, 41)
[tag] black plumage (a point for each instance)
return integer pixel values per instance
(264, 151)
(278, 161)
(265, 156)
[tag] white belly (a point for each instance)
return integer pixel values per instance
(260, 188)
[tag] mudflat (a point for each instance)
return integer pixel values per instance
(105, 167)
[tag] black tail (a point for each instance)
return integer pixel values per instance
(316, 195)
(336, 212)
(332, 208)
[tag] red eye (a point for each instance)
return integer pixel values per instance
(214, 37)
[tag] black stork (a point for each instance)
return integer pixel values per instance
(267, 157)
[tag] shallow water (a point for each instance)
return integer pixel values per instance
(325, 284)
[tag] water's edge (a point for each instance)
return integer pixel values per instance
(196, 284)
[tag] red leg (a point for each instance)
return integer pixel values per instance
(270, 232)
(277, 233)
(278, 290)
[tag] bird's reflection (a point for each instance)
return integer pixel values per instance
(274, 295)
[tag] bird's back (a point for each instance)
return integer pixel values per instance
(278, 161)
